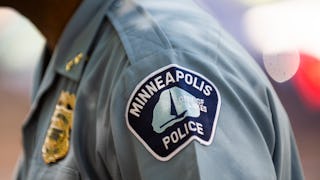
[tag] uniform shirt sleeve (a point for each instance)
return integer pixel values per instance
(252, 139)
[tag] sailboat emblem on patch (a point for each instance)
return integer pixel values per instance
(172, 107)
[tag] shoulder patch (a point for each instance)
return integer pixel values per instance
(172, 107)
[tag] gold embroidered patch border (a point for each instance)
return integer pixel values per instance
(56, 144)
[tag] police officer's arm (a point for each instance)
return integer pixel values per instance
(195, 116)
(192, 104)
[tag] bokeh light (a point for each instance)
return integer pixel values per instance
(282, 66)
(285, 25)
(256, 2)
(20, 41)
(307, 80)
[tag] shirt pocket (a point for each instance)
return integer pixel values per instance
(60, 173)
(56, 172)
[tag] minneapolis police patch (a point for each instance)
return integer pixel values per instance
(172, 107)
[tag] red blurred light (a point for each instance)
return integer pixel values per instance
(307, 80)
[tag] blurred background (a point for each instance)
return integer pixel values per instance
(282, 35)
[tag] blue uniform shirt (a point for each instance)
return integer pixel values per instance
(161, 92)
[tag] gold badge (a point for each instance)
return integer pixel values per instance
(56, 144)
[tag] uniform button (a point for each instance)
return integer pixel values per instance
(118, 3)
(115, 5)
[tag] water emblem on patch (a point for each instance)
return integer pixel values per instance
(172, 107)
